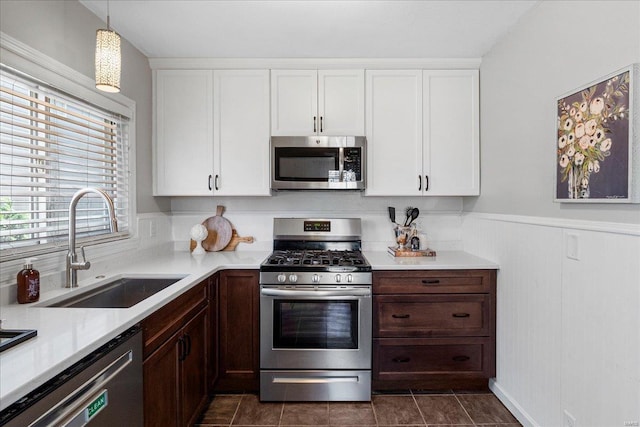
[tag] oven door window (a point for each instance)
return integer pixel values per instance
(325, 324)
(305, 164)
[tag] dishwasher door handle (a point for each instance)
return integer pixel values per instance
(87, 401)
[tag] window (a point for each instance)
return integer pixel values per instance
(51, 145)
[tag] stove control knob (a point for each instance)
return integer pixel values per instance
(315, 278)
(282, 278)
(293, 278)
(338, 278)
(349, 278)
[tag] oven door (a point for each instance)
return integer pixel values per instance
(315, 329)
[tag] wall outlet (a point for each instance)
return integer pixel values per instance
(568, 420)
(573, 246)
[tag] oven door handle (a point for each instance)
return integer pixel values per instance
(312, 294)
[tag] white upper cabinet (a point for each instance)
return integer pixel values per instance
(451, 133)
(212, 133)
(394, 132)
(423, 133)
(241, 132)
(183, 143)
(310, 102)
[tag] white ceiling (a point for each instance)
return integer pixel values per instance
(312, 28)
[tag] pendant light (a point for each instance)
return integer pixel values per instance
(108, 59)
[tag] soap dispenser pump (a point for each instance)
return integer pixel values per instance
(28, 283)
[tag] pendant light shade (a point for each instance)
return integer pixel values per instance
(108, 59)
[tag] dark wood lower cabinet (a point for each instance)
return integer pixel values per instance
(433, 329)
(239, 331)
(176, 360)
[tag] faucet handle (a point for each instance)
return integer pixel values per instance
(85, 265)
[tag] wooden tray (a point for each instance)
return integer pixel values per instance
(410, 253)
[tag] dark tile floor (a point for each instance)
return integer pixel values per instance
(409, 409)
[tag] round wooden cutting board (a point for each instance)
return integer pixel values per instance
(220, 231)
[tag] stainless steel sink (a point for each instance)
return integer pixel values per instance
(120, 293)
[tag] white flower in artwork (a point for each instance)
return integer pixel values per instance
(584, 142)
(592, 141)
(583, 106)
(597, 105)
(572, 111)
(562, 141)
(596, 166)
(590, 127)
(571, 138)
(564, 161)
(579, 159)
(599, 134)
(571, 151)
(568, 124)
(579, 116)
(579, 130)
(605, 145)
(590, 166)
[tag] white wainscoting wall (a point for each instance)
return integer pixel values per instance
(568, 317)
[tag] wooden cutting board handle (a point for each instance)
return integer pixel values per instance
(235, 239)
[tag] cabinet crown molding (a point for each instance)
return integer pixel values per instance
(314, 63)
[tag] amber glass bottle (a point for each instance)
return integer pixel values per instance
(28, 283)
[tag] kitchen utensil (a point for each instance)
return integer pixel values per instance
(407, 212)
(392, 214)
(220, 231)
(414, 214)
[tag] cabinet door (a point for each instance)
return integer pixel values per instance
(451, 133)
(341, 102)
(194, 372)
(183, 143)
(213, 330)
(294, 102)
(161, 385)
(241, 132)
(239, 331)
(394, 132)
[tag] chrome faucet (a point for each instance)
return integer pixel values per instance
(72, 258)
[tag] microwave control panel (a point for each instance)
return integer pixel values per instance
(352, 158)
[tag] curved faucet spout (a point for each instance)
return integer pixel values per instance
(72, 258)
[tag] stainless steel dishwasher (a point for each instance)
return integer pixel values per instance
(103, 389)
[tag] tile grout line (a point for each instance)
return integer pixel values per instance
(281, 414)
(236, 411)
(373, 408)
(415, 402)
(465, 409)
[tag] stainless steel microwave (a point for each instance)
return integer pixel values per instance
(318, 162)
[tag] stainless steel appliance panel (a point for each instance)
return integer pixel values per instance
(309, 355)
(305, 163)
(104, 389)
(317, 386)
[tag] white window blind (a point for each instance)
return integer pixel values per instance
(51, 145)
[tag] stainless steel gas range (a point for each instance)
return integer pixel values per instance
(315, 313)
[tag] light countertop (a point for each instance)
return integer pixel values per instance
(66, 335)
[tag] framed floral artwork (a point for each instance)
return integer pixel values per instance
(597, 146)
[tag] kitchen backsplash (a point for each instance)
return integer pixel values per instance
(440, 217)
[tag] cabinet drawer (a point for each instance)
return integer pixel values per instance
(159, 326)
(409, 359)
(432, 315)
(433, 281)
